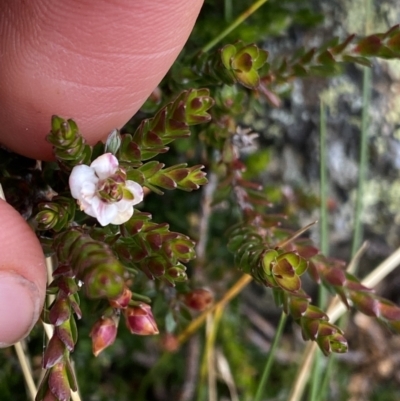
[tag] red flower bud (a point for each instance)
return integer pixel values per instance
(103, 334)
(199, 299)
(170, 343)
(49, 396)
(123, 300)
(140, 320)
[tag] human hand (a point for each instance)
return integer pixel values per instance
(93, 61)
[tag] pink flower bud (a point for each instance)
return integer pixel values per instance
(123, 300)
(49, 396)
(140, 320)
(103, 334)
(170, 343)
(199, 299)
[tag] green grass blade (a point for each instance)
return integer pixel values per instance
(270, 358)
(242, 17)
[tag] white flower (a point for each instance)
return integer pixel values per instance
(103, 192)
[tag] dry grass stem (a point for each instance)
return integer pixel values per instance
(231, 293)
(295, 235)
(210, 356)
(352, 267)
(26, 370)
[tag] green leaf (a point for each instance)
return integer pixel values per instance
(227, 54)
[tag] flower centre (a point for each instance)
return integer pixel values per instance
(111, 189)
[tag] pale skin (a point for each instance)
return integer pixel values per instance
(93, 61)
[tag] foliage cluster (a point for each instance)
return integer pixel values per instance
(120, 270)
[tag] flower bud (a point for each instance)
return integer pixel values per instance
(49, 396)
(123, 300)
(140, 320)
(170, 343)
(199, 299)
(47, 219)
(103, 334)
(113, 142)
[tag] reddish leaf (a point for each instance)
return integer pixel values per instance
(54, 352)
(327, 329)
(324, 344)
(354, 284)
(60, 312)
(154, 240)
(365, 303)
(309, 328)
(64, 333)
(313, 312)
(305, 249)
(340, 47)
(389, 310)
(313, 272)
(342, 294)
(369, 46)
(394, 325)
(297, 306)
(58, 382)
(334, 276)
(283, 269)
(394, 42)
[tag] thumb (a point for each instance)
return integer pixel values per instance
(22, 277)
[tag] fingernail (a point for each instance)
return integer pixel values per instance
(19, 307)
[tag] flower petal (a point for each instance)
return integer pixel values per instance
(123, 205)
(105, 213)
(122, 216)
(137, 191)
(80, 176)
(105, 165)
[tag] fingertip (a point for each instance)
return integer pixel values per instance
(22, 276)
(96, 65)
(20, 305)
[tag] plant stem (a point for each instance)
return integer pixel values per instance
(366, 95)
(242, 17)
(270, 358)
(324, 240)
(325, 380)
(324, 181)
(26, 370)
(228, 10)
